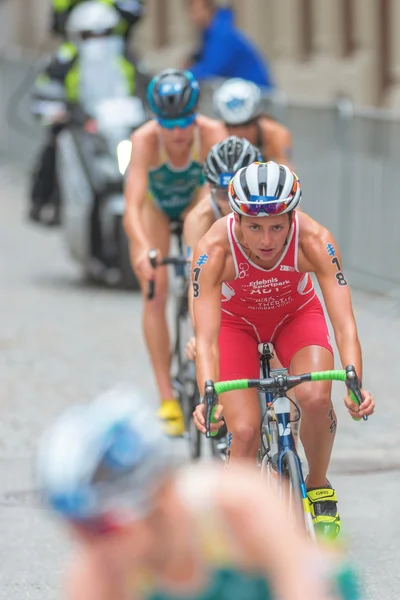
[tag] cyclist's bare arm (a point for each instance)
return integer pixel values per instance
(211, 132)
(233, 505)
(197, 222)
(208, 267)
(92, 578)
(269, 541)
(137, 185)
(279, 142)
(320, 255)
(201, 193)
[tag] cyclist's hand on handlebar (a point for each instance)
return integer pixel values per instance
(366, 408)
(191, 349)
(199, 418)
(142, 265)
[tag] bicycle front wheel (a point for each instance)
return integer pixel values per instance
(293, 493)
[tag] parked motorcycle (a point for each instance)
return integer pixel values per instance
(90, 172)
(93, 151)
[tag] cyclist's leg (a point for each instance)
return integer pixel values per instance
(303, 345)
(155, 327)
(314, 398)
(239, 359)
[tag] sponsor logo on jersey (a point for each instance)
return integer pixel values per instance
(287, 268)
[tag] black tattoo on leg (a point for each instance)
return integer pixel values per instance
(333, 423)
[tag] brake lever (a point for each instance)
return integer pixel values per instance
(209, 397)
(153, 258)
(153, 261)
(352, 382)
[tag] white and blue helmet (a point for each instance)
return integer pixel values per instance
(237, 101)
(106, 457)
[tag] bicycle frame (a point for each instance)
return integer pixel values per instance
(278, 384)
(281, 407)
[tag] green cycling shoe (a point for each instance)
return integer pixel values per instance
(325, 516)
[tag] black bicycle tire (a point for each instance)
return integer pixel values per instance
(289, 460)
(191, 399)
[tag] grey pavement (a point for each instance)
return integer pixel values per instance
(62, 341)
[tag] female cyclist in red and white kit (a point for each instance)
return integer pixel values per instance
(251, 284)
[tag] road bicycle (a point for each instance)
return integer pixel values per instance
(183, 372)
(278, 457)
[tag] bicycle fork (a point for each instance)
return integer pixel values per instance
(286, 444)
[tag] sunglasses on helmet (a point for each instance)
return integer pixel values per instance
(268, 204)
(181, 123)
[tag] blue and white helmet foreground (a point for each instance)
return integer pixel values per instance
(106, 457)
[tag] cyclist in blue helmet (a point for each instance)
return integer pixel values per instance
(164, 181)
(150, 531)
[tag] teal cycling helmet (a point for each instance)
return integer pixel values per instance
(104, 459)
(173, 94)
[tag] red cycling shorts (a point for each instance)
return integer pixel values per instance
(238, 340)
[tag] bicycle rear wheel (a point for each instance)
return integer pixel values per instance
(293, 493)
(185, 382)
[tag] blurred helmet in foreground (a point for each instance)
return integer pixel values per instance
(106, 458)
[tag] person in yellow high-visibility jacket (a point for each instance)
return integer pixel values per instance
(130, 12)
(92, 21)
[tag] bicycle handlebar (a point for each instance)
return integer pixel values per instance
(280, 382)
(177, 261)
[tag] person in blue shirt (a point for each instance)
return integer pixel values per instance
(225, 51)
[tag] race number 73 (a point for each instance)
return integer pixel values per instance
(201, 261)
(196, 285)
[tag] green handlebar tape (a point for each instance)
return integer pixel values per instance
(228, 386)
(352, 396)
(213, 420)
(338, 375)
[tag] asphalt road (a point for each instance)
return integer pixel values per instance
(62, 341)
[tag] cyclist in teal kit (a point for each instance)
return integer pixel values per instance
(165, 180)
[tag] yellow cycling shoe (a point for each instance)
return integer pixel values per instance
(325, 516)
(170, 413)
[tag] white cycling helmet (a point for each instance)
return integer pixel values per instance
(91, 17)
(264, 189)
(237, 101)
(103, 459)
